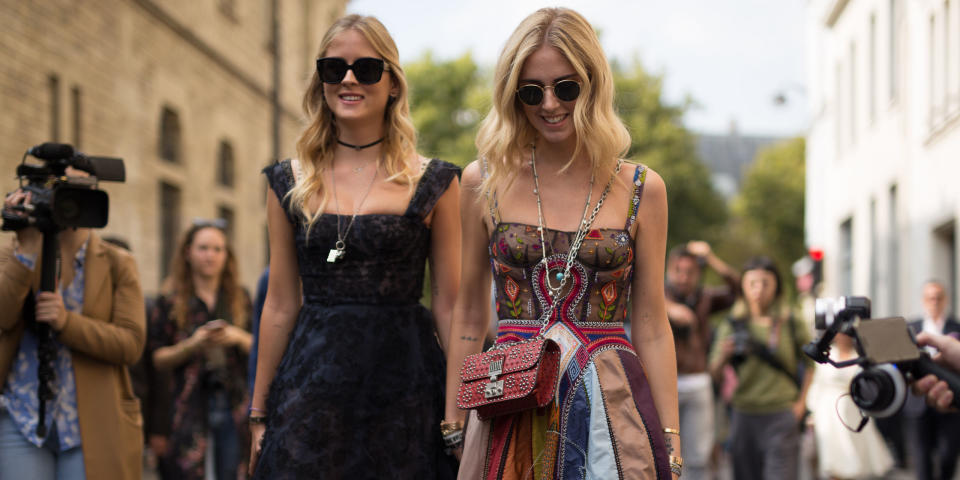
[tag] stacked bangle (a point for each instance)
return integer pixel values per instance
(452, 433)
(256, 419)
(676, 465)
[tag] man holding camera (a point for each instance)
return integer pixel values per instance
(67, 409)
(933, 436)
(689, 306)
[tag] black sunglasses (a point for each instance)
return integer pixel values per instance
(532, 93)
(366, 70)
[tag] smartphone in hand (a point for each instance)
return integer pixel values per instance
(215, 324)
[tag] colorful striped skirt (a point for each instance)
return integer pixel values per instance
(602, 424)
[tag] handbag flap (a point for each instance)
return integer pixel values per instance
(513, 358)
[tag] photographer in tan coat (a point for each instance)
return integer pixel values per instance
(92, 427)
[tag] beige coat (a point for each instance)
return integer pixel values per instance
(107, 336)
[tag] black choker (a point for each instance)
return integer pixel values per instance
(360, 147)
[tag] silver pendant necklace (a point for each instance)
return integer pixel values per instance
(340, 248)
(582, 229)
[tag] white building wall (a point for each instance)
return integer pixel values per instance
(908, 140)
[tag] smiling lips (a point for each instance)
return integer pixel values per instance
(350, 97)
(553, 120)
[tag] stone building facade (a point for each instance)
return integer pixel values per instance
(195, 96)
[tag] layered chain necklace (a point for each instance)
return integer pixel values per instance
(585, 223)
(340, 248)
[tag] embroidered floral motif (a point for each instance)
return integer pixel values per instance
(503, 246)
(608, 295)
(512, 290)
(621, 238)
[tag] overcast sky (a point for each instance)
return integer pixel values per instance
(731, 56)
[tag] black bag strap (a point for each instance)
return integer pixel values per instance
(763, 353)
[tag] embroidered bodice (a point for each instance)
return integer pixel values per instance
(598, 288)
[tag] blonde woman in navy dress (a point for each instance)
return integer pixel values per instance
(349, 377)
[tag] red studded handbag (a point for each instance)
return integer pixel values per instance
(510, 378)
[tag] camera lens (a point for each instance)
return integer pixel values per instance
(69, 210)
(879, 391)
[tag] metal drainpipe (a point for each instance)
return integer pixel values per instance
(275, 91)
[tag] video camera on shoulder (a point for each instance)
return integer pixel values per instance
(887, 352)
(60, 201)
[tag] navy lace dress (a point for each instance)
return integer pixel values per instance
(359, 391)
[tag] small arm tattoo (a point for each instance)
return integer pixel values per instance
(470, 339)
(670, 449)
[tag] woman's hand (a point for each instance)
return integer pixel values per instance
(256, 442)
(200, 336)
(726, 350)
(799, 409)
(228, 335)
(50, 310)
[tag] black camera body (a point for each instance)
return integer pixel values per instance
(887, 353)
(59, 201)
(742, 345)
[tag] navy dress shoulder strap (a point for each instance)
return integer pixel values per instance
(281, 180)
(433, 184)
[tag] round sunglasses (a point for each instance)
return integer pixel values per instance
(366, 70)
(565, 90)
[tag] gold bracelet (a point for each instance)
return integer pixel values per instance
(671, 430)
(678, 461)
(446, 428)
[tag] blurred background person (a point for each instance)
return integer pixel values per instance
(763, 342)
(841, 452)
(198, 333)
(689, 307)
(90, 425)
(933, 437)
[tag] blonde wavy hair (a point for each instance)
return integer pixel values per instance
(316, 144)
(505, 134)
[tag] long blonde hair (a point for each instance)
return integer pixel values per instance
(505, 134)
(317, 142)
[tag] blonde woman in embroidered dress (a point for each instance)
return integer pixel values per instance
(550, 149)
(349, 377)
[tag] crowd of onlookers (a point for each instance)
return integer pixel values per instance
(749, 395)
